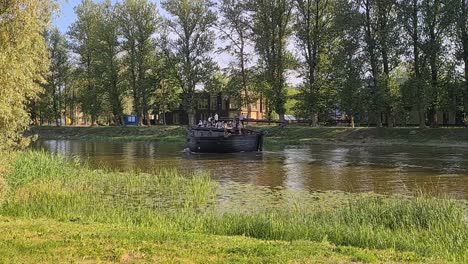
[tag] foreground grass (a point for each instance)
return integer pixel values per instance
(46, 240)
(165, 216)
(292, 135)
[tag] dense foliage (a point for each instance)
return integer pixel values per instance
(374, 62)
(23, 62)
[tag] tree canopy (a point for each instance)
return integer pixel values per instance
(373, 62)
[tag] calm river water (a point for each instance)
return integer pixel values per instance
(390, 169)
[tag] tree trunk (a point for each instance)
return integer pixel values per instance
(465, 101)
(415, 37)
(148, 121)
(281, 117)
(435, 94)
(314, 119)
(390, 119)
(422, 117)
(378, 119)
(140, 119)
(55, 107)
(434, 118)
(122, 120)
(191, 117)
(249, 107)
(93, 120)
(373, 62)
(352, 124)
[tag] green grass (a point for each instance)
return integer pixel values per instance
(276, 136)
(294, 135)
(51, 241)
(130, 209)
(167, 134)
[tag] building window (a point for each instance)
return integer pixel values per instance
(254, 106)
(203, 103)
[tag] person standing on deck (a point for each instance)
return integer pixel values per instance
(216, 117)
(240, 127)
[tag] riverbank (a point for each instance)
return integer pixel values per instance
(288, 135)
(57, 210)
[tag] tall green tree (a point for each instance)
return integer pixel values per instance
(108, 58)
(415, 89)
(379, 22)
(84, 43)
(370, 40)
(191, 23)
(235, 29)
(348, 59)
(388, 39)
(313, 22)
(462, 41)
(436, 18)
(23, 63)
(138, 23)
(59, 69)
(272, 28)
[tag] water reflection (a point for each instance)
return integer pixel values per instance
(395, 169)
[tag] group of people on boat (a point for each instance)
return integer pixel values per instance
(235, 125)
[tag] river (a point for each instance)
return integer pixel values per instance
(387, 170)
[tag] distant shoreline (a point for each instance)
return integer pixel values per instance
(289, 135)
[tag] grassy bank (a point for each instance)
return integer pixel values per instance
(289, 135)
(370, 136)
(86, 214)
(169, 134)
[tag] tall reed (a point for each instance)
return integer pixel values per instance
(42, 185)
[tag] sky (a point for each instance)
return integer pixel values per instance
(66, 16)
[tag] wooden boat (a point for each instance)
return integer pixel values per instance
(218, 140)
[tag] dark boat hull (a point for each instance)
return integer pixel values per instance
(216, 142)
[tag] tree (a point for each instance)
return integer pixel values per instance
(108, 58)
(235, 29)
(348, 59)
(409, 11)
(369, 25)
(23, 63)
(57, 76)
(436, 18)
(191, 24)
(84, 43)
(313, 21)
(138, 24)
(388, 39)
(166, 97)
(271, 28)
(462, 41)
